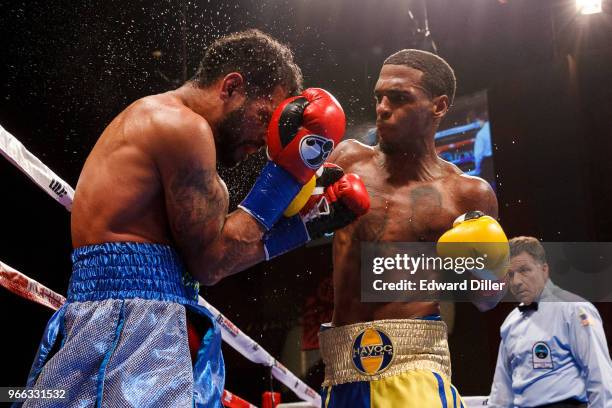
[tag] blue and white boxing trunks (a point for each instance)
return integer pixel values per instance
(120, 340)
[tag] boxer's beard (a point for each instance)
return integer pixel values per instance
(397, 147)
(404, 146)
(386, 147)
(231, 134)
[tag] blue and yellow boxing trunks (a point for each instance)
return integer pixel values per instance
(399, 363)
(120, 340)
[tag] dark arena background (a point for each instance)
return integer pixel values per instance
(540, 71)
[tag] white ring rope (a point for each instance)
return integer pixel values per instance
(62, 192)
(31, 166)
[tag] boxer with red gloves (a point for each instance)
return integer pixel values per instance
(150, 215)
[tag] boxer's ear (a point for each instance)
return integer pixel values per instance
(440, 106)
(232, 86)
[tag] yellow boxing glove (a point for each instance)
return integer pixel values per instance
(300, 200)
(475, 234)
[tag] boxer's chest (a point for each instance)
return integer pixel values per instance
(414, 211)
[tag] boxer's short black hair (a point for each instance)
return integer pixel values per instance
(530, 245)
(264, 63)
(438, 76)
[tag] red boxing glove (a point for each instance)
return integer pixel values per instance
(351, 191)
(303, 132)
(337, 201)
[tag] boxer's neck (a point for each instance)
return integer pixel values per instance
(420, 162)
(203, 101)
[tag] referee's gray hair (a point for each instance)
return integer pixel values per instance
(530, 245)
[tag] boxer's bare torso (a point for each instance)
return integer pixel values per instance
(120, 194)
(151, 177)
(405, 207)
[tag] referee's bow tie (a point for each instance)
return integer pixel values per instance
(532, 306)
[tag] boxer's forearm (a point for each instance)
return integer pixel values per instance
(237, 247)
(212, 244)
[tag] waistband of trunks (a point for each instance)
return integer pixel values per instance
(383, 348)
(127, 270)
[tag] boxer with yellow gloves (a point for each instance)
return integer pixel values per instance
(475, 234)
(395, 354)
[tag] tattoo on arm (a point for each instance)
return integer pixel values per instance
(199, 207)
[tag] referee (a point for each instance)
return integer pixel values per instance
(553, 350)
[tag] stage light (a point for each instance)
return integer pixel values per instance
(588, 6)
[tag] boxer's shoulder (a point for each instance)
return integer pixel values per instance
(472, 193)
(165, 126)
(470, 185)
(166, 114)
(349, 152)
